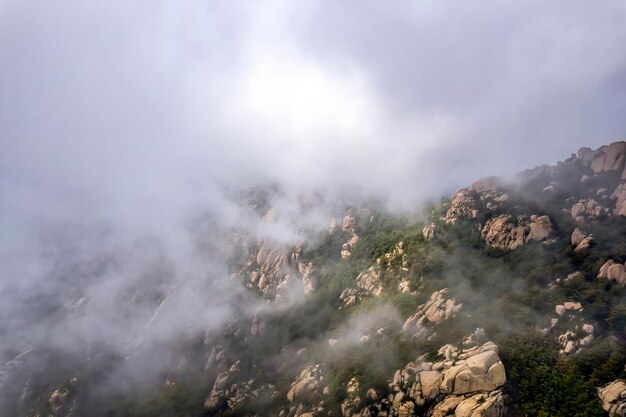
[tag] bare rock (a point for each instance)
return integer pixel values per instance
(486, 184)
(581, 241)
(507, 232)
(462, 204)
(613, 271)
(613, 398)
(307, 383)
(588, 208)
(437, 309)
(481, 372)
(619, 196)
(429, 231)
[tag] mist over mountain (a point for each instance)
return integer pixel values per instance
(228, 208)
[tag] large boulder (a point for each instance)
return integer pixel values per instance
(613, 398)
(462, 205)
(588, 208)
(581, 241)
(429, 231)
(619, 195)
(608, 158)
(306, 384)
(437, 309)
(613, 271)
(508, 232)
(482, 371)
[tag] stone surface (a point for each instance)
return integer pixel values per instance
(508, 232)
(613, 271)
(613, 398)
(437, 309)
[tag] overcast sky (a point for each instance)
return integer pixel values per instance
(131, 107)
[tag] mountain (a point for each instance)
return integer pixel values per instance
(506, 299)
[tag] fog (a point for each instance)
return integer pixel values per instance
(123, 124)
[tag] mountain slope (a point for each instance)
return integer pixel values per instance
(506, 299)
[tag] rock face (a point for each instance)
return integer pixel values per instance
(369, 282)
(464, 383)
(581, 241)
(613, 398)
(607, 158)
(266, 270)
(308, 382)
(507, 232)
(619, 196)
(307, 270)
(429, 231)
(481, 372)
(437, 309)
(613, 271)
(462, 204)
(348, 226)
(588, 209)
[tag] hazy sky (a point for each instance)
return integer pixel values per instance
(134, 107)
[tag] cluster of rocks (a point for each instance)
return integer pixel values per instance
(369, 282)
(589, 209)
(611, 158)
(437, 309)
(269, 270)
(307, 271)
(613, 398)
(305, 394)
(508, 232)
(348, 227)
(619, 196)
(266, 270)
(307, 382)
(613, 271)
(429, 231)
(604, 159)
(355, 406)
(581, 242)
(230, 393)
(463, 383)
(62, 401)
(576, 333)
(462, 205)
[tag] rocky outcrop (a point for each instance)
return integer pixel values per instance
(369, 282)
(619, 196)
(507, 232)
(581, 241)
(613, 271)
(437, 309)
(589, 209)
(613, 398)
(307, 270)
(266, 270)
(348, 226)
(229, 392)
(429, 231)
(485, 184)
(306, 384)
(570, 329)
(477, 405)
(61, 401)
(482, 371)
(462, 204)
(465, 382)
(604, 159)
